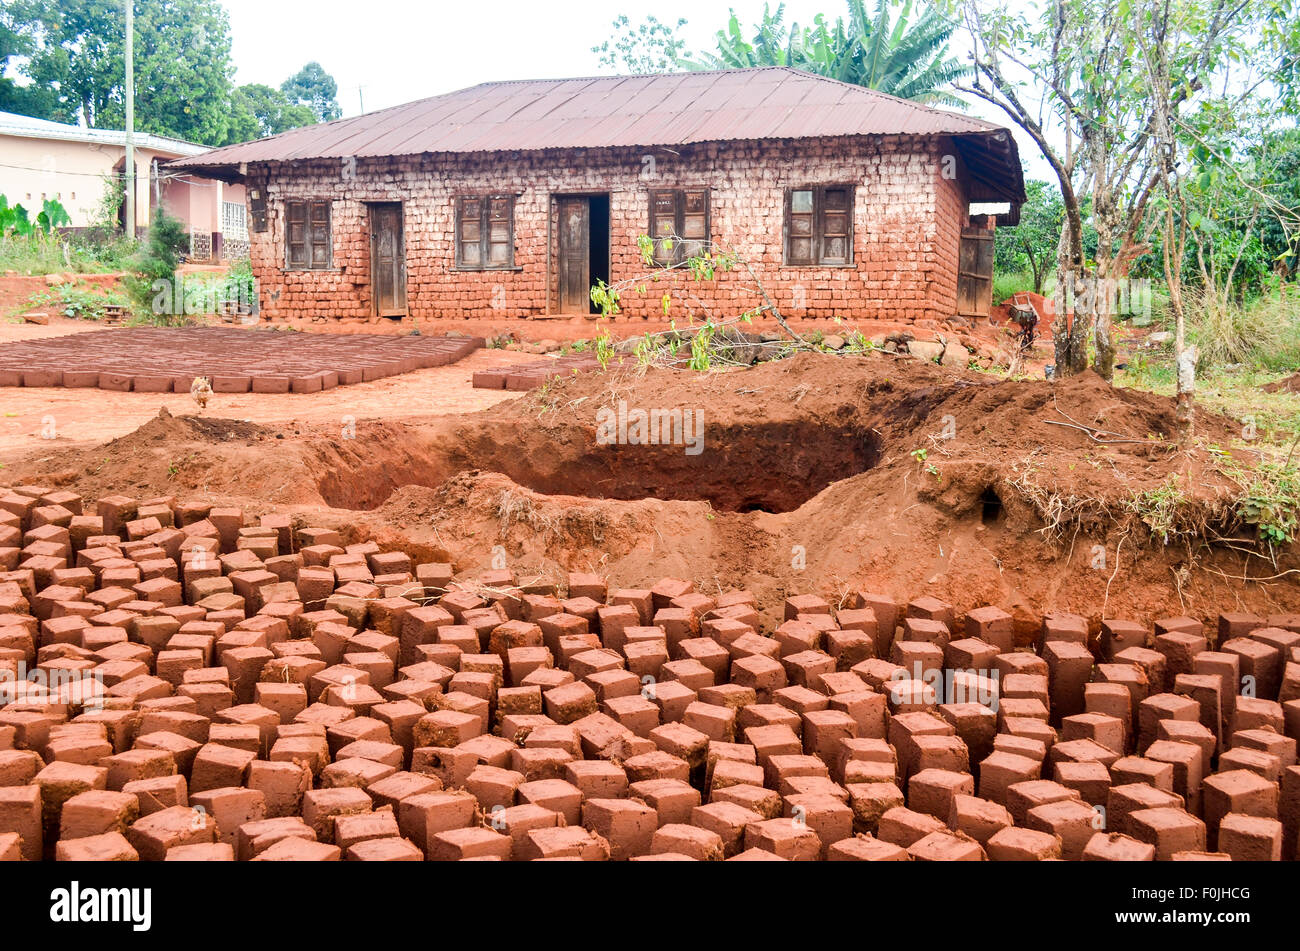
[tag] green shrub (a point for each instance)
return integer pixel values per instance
(77, 302)
(152, 286)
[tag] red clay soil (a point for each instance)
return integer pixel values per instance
(809, 479)
(1289, 385)
(17, 290)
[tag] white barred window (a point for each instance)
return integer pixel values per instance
(234, 221)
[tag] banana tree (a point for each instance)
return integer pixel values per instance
(900, 48)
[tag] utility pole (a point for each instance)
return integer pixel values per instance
(130, 119)
(361, 99)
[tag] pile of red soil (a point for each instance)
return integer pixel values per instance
(819, 472)
(1289, 385)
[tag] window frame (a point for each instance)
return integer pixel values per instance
(308, 244)
(679, 221)
(818, 228)
(484, 262)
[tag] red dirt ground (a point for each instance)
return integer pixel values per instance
(808, 482)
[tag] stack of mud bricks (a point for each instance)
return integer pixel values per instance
(527, 376)
(183, 681)
(153, 360)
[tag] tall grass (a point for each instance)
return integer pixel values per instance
(82, 253)
(1264, 332)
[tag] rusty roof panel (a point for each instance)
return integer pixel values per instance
(610, 112)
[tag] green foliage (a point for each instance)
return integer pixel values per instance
(264, 110)
(700, 347)
(1161, 509)
(703, 265)
(52, 215)
(604, 347)
(77, 302)
(239, 283)
(1031, 245)
(650, 47)
(183, 68)
(1270, 501)
(110, 204)
(152, 284)
(1005, 284)
(900, 48)
(73, 54)
(1281, 35)
(14, 220)
(315, 89)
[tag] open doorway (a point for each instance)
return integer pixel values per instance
(582, 255)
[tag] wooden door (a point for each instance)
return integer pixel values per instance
(388, 260)
(975, 273)
(575, 255)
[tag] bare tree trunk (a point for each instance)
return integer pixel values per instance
(1104, 362)
(1064, 279)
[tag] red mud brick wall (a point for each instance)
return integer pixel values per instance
(907, 225)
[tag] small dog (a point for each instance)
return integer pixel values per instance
(201, 390)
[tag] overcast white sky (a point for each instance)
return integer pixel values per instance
(396, 51)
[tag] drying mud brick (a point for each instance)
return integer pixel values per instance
(150, 360)
(273, 694)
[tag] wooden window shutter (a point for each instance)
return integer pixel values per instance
(800, 219)
(485, 232)
(257, 212)
(679, 216)
(819, 226)
(469, 232)
(836, 226)
(694, 206)
(295, 229)
(308, 244)
(663, 226)
(319, 231)
(500, 231)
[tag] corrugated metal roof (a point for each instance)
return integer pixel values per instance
(610, 112)
(29, 128)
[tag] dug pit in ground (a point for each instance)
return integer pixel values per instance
(868, 469)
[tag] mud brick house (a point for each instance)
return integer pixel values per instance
(512, 199)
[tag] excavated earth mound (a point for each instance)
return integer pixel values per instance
(815, 473)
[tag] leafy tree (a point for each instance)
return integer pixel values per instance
(268, 111)
(183, 71)
(1282, 35)
(315, 89)
(1031, 245)
(900, 48)
(15, 41)
(652, 47)
(1094, 85)
(1278, 229)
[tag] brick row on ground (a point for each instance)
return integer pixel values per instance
(167, 360)
(203, 688)
(526, 376)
